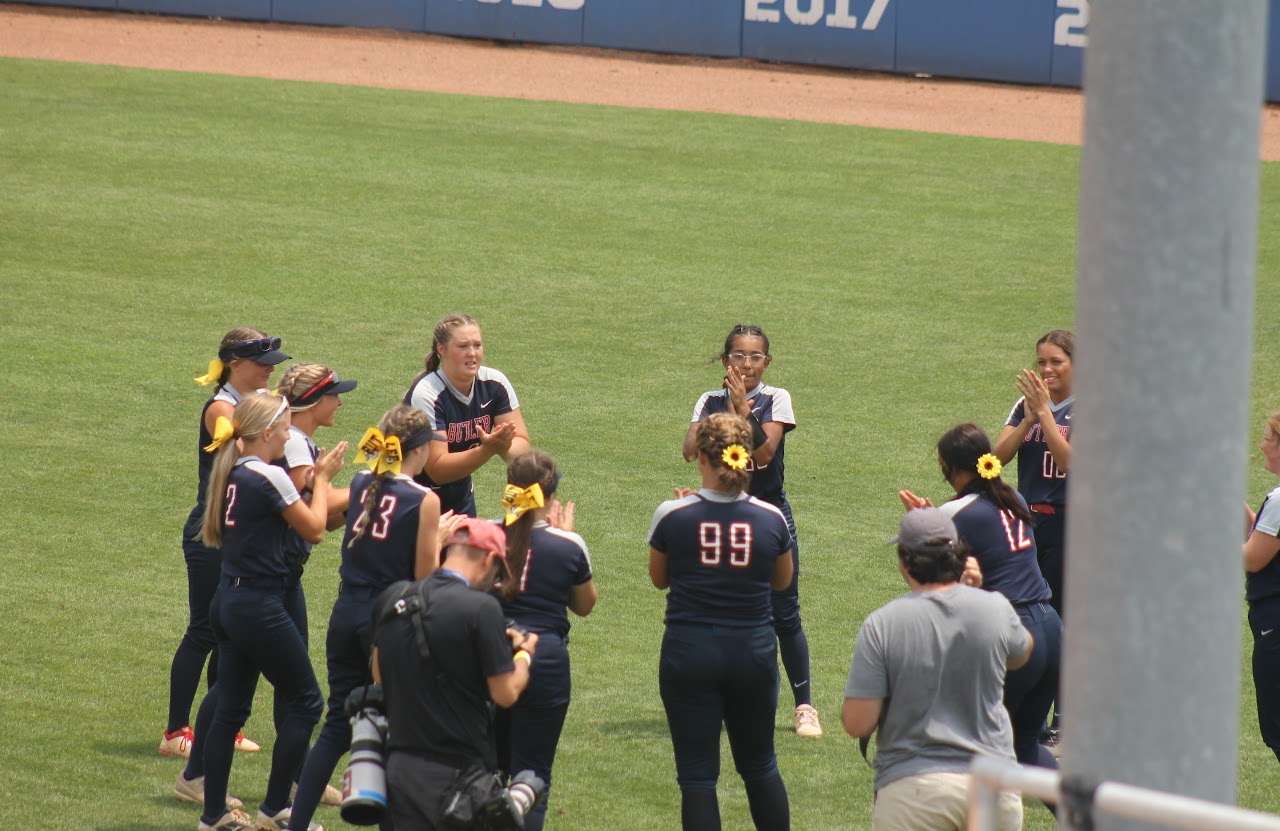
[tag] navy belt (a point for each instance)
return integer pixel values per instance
(257, 582)
(1032, 605)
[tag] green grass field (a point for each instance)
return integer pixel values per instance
(903, 279)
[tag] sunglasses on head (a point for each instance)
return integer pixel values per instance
(257, 345)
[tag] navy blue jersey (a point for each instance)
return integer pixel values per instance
(767, 404)
(1039, 480)
(253, 525)
(191, 531)
(387, 549)
(459, 418)
(720, 555)
(558, 561)
(1004, 546)
(1265, 582)
(299, 451)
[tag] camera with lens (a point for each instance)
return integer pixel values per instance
(481, 802)
(364, 783)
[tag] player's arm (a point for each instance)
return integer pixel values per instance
(444, 467)
(1010, 439)
(1259, 550)
(690, 449)
(763, 454)
(218, 408)
(783, 570)
(426, 553)
(582, 598)
(1021, 660)
(519, 439)
(861, 715)
(659, 571)
(375, 669)
(310, 519)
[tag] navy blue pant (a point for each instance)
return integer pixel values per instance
(1051, 532)
(257, 635)
(792, 643)
(204, 570)
(528, 733)
(1264, 621)
(348, 647)
(723, 675)
(1029, 690)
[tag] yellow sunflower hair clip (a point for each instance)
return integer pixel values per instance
(989, 466)
(735, 456)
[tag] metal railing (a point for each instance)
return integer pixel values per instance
(991, 776)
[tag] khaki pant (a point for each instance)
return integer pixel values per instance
(935, 802)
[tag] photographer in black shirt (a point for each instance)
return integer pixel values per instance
(444, 657)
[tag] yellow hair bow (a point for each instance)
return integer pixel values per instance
(518, 501)
(382, 453)
(223, 432)
(215, 372)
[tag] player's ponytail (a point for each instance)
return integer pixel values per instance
(964, 447)
(401, 421)
(523, 472)
(254, 413)
(442, 334)
(724, 438)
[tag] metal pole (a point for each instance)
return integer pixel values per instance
(1168, 224)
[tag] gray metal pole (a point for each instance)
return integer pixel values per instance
(1168, 224)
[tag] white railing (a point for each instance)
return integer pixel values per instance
(992, 776)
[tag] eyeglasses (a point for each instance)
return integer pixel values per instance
(744, 358)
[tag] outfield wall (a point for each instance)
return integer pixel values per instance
(1023, 41)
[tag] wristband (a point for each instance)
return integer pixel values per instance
(520, 653)
(758, 436)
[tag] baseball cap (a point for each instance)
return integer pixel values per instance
(482, 534)
(921, 525)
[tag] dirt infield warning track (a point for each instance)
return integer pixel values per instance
(399, 60)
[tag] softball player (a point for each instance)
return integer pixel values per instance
(392, 536)
(246, 359)
(1262, 591)
(720, 551)
(551, 573)
(249, 508)
(745, 359)
(473, 408)
(1038, 432)
(993, 522)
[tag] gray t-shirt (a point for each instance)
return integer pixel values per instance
(939, 658)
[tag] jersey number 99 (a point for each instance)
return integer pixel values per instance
(712, 539)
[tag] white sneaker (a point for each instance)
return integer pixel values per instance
(192, 790)
(233, 820)
(331, 798)
(246, 745)
(807, 724)
(177, 743)
(281, 821)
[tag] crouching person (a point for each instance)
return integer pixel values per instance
(929, 669)
(444, 657)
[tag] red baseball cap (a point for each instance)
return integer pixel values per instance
(483, 534)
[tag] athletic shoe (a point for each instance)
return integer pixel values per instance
(233, 820)
(192, 790)
(807, 722)
(1053, 743)
(177, 743)
(331, 798)
(246, 745)
(280, 821)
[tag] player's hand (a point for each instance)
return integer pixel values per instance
(449, 522)
(972, 575)
(528, 641)
(1035, 394)
(330, 463)
(681, 493)
(497, 441)
(737, 392)
(911, 501)
(561, 515)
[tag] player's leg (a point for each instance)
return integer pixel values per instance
(750, 707)
(793, 645)
(1264, 621)
(538, 719)
(689, 678)
(1029, 690)
(204, 569)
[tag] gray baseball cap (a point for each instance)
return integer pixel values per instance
(921, 525)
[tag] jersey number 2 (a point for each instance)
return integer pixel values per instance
(231, 500)
(711, 538)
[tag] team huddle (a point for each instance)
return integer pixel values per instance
(486, 618)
